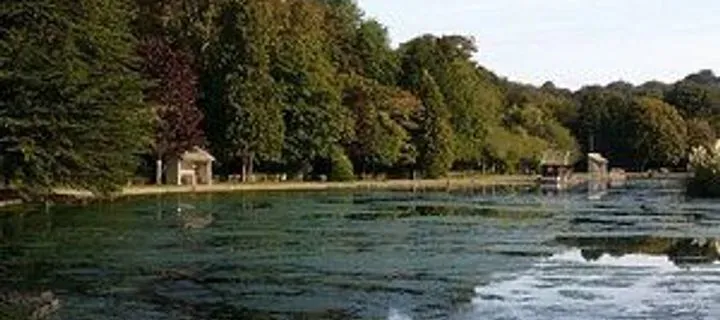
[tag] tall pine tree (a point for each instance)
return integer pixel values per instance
(71, 102)
(436, 139)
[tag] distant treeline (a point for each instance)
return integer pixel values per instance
(89, 88)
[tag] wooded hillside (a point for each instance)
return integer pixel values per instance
(90, 88)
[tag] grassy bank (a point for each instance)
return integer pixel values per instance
(440, 184)
(454, 183)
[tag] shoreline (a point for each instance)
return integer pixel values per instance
(395, 185)
(448, 184)
(65, 195)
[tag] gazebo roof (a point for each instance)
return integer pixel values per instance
(596, 157)
(197, 154)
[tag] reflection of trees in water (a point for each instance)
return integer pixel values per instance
(492, 190)
(23, 273)
(410, 211)
(28, 305)
(183, 214)
(695, 251)
(193, 219)
(194, 293)
(681, 251)
(24, 221)
(201, 289)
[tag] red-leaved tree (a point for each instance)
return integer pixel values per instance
(174, 95)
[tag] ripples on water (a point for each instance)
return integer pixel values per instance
(638, 251)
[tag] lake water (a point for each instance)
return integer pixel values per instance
(636, 251)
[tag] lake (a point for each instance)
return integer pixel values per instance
(640, 250)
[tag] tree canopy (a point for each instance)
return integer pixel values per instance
(71, 100)
(310, 88)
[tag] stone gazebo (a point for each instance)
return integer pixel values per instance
(191, 168)
(597, 166)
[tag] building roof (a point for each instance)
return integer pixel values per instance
(197, 154)
(596, 157)
(555, 158)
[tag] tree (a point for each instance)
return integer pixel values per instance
(71, 104)
(341, 166)
(508, 150)
(704, 77)
(602, 124)
(539, 112)
(475, 106)
(691, 99)
(244, 114)
(660, 134)
(559, 103)
(621, 86)
(313, 114)
(432, 54)
(700, 133)
(474, 101)
(381, 114)
(436, 140)
(374, 58)
(342, 19)
(188, 25)
(654, 89)
(174, 95)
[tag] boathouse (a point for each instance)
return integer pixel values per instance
(556, 166)
(193, 167)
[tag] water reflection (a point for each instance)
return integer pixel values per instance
(27, 305)
(515, 253)
(597, 189)
(412, 212)
(191, 218)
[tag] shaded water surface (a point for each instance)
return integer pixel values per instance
(635, 251)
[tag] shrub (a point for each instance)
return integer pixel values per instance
(705, 165)
(341, 167)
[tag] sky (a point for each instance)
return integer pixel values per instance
(570, 42)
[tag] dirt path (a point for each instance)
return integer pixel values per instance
(440, 184)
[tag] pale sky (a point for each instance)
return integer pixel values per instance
(570, 42)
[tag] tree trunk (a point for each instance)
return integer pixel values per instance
(158, 171)
(6, 175)
(363, 171)
(244, 169)
(247, 166)
(644, 165)
(251, 167)
(7, 165)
